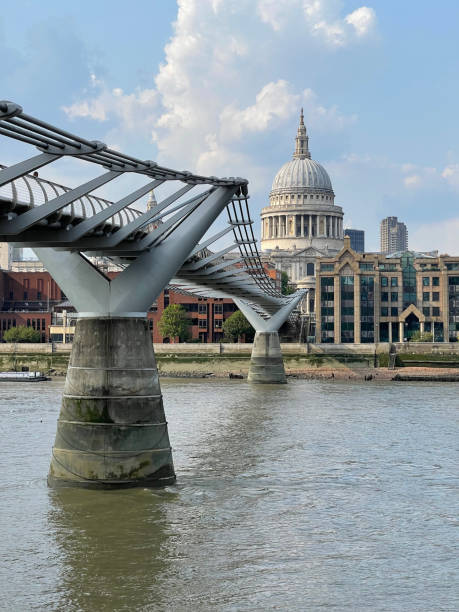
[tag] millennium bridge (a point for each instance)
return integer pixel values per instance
(112, 430)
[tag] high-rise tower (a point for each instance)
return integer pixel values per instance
(393, 235)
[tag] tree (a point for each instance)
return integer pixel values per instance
(285, 288)
(236, 326)
(22, 334)
(174, 322)
(424, 337)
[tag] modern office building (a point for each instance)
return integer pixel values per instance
(357, 239)
(371, 297)
(393, 235)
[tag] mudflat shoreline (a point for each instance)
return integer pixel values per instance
(411, 374)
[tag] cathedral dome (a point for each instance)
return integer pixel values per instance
(299, 174)
(302, 175)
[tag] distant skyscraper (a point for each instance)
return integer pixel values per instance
(394, 235)
(357, 239)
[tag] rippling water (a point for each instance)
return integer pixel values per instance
(310, 496)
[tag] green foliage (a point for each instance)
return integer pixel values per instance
(236, 326)
(424, 337)
(285, 288)
(174, 323)
(22, 334)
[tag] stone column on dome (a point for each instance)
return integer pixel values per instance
(302, 225)
(310, 226)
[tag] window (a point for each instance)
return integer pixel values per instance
(366, 266)
(26, 295)
(435, 296)
(384, 281)
(426, 296)
(435, 311)
(218, 323)
(218, 308)
(384, 296)
(327, 280)
(394, 312)
(452, 266)
(43, 324)
(327, 267)
(38, 295)
(425, 281)
(202, 323)
(347, 310)
(436, 281)
(394, 281)
(426, 311)
(202, 308)
(394, 297)
(150, 324)
(310, 269)
(384, 311)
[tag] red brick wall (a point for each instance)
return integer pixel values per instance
(38, 286)
(30, 286)
(38, 320)
(205, 324)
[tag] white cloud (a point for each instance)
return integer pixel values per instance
(434, 235)
(362, 19)
(451, 175)
(214, 98)
(131, 111)
(273, 101)
(413, 180)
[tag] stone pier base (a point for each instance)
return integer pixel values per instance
(112, 430)
(266, 363)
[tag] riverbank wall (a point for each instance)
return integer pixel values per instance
(225, 359)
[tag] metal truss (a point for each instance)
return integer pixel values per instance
(64, 225)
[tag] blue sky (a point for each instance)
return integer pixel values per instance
(215, 86)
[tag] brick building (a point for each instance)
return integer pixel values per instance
(34, 299)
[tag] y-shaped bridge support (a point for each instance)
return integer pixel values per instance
(112, 430)
(266, 363)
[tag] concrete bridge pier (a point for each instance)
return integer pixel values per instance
(112, 430)
(266, 362)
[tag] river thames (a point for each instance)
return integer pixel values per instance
(309, 496)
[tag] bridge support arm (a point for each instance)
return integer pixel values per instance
(266, 362)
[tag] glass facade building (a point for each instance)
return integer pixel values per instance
(372, 297)
(357, 239)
